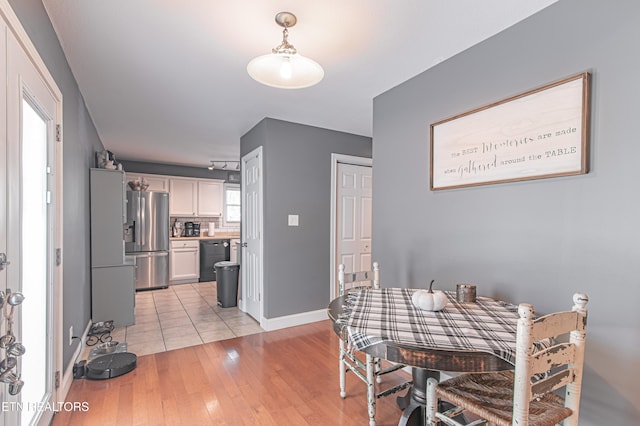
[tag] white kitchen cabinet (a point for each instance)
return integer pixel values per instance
(210, 198)
(156, 182)
(184, 260)
(183, 198)
(188, 196)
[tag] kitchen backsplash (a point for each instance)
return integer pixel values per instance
(204, 224)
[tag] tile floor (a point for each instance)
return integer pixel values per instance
(180, 316)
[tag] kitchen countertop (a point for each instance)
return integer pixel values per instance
(218, 236)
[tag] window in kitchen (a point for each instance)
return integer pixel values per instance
(232, 212)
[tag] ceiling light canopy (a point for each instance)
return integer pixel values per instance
(284, 68)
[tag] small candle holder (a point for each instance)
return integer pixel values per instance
(465, 293)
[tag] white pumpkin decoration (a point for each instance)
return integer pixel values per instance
(429, 300)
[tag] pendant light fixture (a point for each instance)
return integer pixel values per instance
(284, 68)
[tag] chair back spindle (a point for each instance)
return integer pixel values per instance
(348, 281)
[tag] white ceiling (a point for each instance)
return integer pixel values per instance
(165, 80)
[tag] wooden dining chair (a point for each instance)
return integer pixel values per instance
(525, 397)
(370, 371)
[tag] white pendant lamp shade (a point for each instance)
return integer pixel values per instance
(285, 71)
(284, 68)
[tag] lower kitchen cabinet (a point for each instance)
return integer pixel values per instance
(184, 261)
(113, 294)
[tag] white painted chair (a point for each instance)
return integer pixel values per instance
(526, 397)
(370, 370)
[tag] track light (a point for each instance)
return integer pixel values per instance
(223, 165)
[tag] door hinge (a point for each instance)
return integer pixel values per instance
(58, 133)
(58, 256)
(57, 379)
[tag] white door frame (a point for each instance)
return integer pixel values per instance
(242, 305)
(335, 159)
(15, 27)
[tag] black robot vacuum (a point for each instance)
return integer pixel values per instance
(108, 360)
(110, 366)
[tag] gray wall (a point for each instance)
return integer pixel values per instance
(537, 241)
(297, 180)
(175, 170)
(80, 143)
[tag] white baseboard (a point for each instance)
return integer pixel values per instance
(67, 376)
(270, 324)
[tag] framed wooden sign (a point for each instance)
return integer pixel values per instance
(538, 134)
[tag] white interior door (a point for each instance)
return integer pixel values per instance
(251, 255)
(354, 211)
(33, 114)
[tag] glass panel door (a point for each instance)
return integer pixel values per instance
(35, 260)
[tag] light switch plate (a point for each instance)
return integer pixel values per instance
(293, 220)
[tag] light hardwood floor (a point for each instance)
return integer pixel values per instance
(283, 377)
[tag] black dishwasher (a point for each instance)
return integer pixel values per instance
(212, 252)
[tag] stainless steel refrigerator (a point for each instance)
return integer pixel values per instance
(147, 237)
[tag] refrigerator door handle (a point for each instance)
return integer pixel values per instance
(136, 233)
(143, 220)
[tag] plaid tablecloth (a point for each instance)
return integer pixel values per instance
(387, 314)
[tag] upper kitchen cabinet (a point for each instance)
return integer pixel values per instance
(183, 198)
(155, 182)
(210, 198)
(195, 197)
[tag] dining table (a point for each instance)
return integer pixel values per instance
(478, 336)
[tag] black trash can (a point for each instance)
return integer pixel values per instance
(227, 283)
